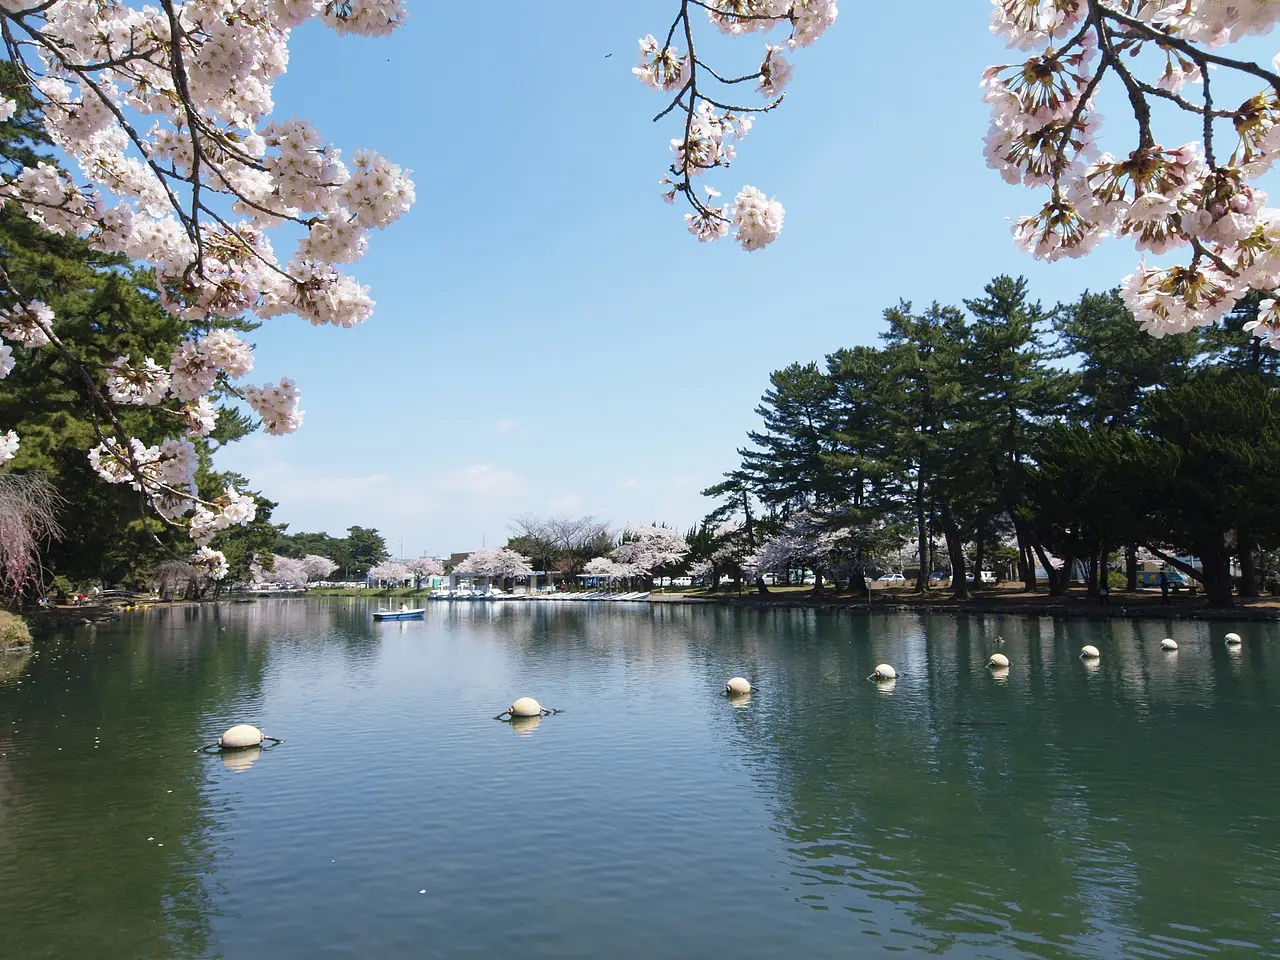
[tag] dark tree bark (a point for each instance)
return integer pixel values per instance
(1026, 562)
(955, 548)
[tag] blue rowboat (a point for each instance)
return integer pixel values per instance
(400, 614)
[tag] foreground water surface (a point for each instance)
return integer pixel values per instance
(1127, 810)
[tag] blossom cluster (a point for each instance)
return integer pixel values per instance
(27, 324)
(1196, 197)
(165, 472)
(285, 571)
(606, 568)
(232, 509)
(710, 128)
(645, 549)
(806, 539)
(496, 562)
(8, 445)
(163, 114)
(425, 567)
(277, 406)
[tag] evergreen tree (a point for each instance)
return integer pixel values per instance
(787, 463)
(921, 395)
(1011, 393)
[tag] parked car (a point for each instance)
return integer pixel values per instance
(940, 576)
(984, 576)
(892, 578)
(681, 581)
(1150, 579)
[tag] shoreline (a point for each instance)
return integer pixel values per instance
(1010, 604)
(1264, 609)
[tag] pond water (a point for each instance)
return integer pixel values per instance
(1127, 810)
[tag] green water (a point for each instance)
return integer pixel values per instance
(1131, 810)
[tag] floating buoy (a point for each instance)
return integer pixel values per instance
(1089, 652)
(1232, 639)
(1000, 674)
(241, 737)
(737, 686)
(883, 672)
(525, 707)
(1168, 644)
(998, 660)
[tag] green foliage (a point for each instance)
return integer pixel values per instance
(1019, 434)
(104, 308)
(1117, 367)
(13, 631)
(787, 459)
(354, 554)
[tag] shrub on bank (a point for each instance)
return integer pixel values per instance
(13, 631)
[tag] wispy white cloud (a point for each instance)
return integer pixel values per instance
(505, 425)
(571, 502)
(478, 480)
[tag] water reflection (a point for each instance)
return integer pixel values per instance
(1078, 823)
(1046, 809)
(238, 761)
(524, 726)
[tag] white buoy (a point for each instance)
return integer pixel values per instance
(737, 686)
(1232, 639)
(1089, 652)
(886, 686)
(1000, 674)
(998, 660)
(241, 737)
(884, 672)
(526, 707)
(1168, 644)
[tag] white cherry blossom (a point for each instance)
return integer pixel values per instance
(8, 446)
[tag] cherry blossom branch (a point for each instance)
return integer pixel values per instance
(204, 73)
(712, 126)
(1200, 56)
(1160, 196)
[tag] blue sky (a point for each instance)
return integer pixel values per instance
(548, 339)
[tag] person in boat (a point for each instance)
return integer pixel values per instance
(404, 607)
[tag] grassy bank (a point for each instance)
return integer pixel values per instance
(13, 631)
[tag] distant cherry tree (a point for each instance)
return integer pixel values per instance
(497, 563)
